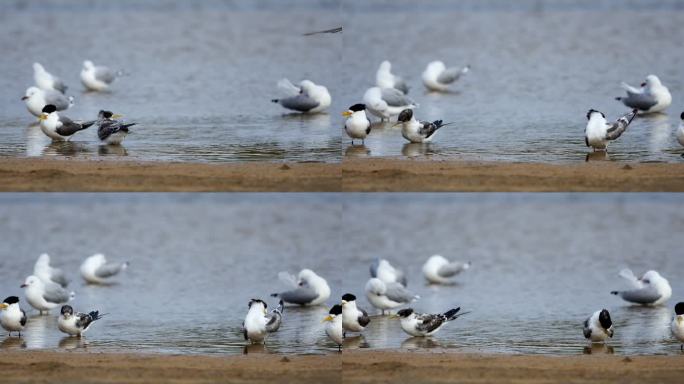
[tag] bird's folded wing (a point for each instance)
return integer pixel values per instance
(363, 319)
(274, 321)
(57, 99)
(451, 269)
(450, 75)
(395, 98)
(429, 322)
(109, 269)
(397, 293)
(641, 296)
(301, 102)
(641, 101)
(104, 74)
(301, 295)
(54, 293)
(620, 126)
(59, 277)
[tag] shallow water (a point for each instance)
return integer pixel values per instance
(541, 265)
(201, 75)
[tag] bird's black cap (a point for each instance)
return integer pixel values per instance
(257, 301)
(105, 114)
(405, 115)
(358, 107)
(49, 108)
(67, 310)
(593, 110)
(405, 312)
(679, 308)
(681, 116)
(604, 319)
(348, 297)
(336, 309)
(11, 300)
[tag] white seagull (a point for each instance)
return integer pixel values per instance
(308, 97)
(259, 323)
(383, 270)
(75, 324)
(386, 102)
(425, 324)
(36, 99)
(357, 125)
(46, 80)
(599, 132)
(96, 270)
(438, 270)
(598, 327)
(12, 318)
(386, 296)
(354, 319)
(109, 129)
(677, 325)
(308, 288)
(384, 78)
(437, 77)
(44, 295)
(417, 131)
(651, 97)
(333, 328)
(680, 130)
(650, 289)
(97, 78)
(60, 128)
(45, 272)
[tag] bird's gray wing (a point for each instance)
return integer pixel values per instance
(59, 85)
(109, 269)
(429, 322)
(586, 330)
(450, 75)
(302, 295)
(620, 126)
(451, 269)
(57, 99)
(401, 85)
(395, 98)
(104, 74)
(275, 319)
(427, 128)
(54, 293)
(646, 295)
(642, 101)
(59, 277)
(69, 127)
(108, 127)
(22, 321)
(374, 267)
(363, 319)
(398, 293)
(301, 102)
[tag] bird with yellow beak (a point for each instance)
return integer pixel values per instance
(12, 318)
(357, 125)
(333, 328)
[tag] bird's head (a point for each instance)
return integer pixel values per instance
(257, 304)
(30, 92)
(354, 108)
(404, 313)
(88, 64)
(592, 111)
(31, 281)
(47, 110)
(66, 310)
(604, 319)
(335, 311)
(651, 81)
(347, 298)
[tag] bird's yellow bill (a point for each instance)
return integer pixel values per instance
(680, 319)
(327, 318)
(347, 113)
(117, 116)
(394, 316)
(42, 117)
(3, 306)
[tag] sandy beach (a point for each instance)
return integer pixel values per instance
(350, 367)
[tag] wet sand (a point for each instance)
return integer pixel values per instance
(365, 175)
(351, 367)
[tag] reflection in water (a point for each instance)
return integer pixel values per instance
(598, 348)
(13, 343)
(69, 342)
(36, 141)
(357, 151)
(116, 150)
(660, 132)
(420, 343)
(316, 120)
(37, 328)
(597, 156)
(415, 149)
(255, 349)
(65, 148)
(355, 342)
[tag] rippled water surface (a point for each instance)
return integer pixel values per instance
(541, 265)
(201, 75)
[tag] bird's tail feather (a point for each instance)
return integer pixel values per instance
(95, 315)
(451, 314)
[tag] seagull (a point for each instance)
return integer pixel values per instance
(425, 324)
(333, 328)
(46, 80)
(12, 318)
(386, 102)
(353, 319)
(680, 130)
(97, 78)
(384, 78)
(44, 295)
(60, 128)
(437, 77)
(45, 272)
(438, 270)
(598, 327)
(383, 270)
(417, 131)
(386, 296)
(651, 97)
(599, 132)
(75, 324)
(677, 326)
(259, 323)
(36, 99)
(109, 129)
(357, 125)
(308, 288)
(308, 97)
(96, 270)
(650, 289)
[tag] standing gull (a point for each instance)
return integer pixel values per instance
(75, 324)
(599, 132)
(333, 328)
(12, 318)
(308, 97)
(437, 77)
(45, 295)
(677, 325)
(259, 323)
(386, 296)
(36, 99)
(354, 319)
(383, 270)
(425, 324)
(46, 80)
(598, 327)
(651, 97)
(650, 289)
(386, 102)
(60, 128)
(357, 125)
(45, 272)
(384, 78)
(97, 78)
(109, 129)
(308, 288)
(417, 131)
(96, 270)
(438, 270)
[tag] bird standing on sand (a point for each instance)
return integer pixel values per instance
(96, 270)
(386, 102)
(36, 99)
(598, 327)
(60, 128)
(357, 125)
(438, 270)
(354, 319)
(384, 78)
(109, 129)
(651, 289)
(259, 323)
(417, 131)
(425, 324)
(46, 80)
(308, 288)
(677, 325)
(12, 318)
(651, 97)
(599, 132)
(437, 77)
(75, 324)
(387, 296)
(44, 295)
(333, 328)
(308, 97)
(96, 77)
(45, 272)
